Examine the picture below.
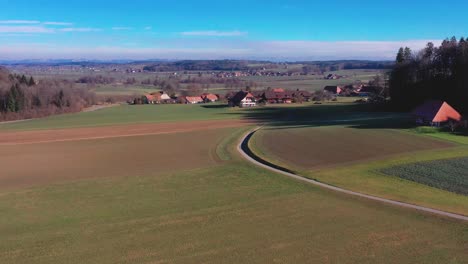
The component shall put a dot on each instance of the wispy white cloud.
(214, 33)
(122, 28)
(19, 22)
(17, 35)
(73, 29)
(51, 23)
(25, 29)
(148, 28)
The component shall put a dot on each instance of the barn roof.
(437, 111)
(193, 98)
(209, 96)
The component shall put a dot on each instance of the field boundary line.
(173, 131)
(245, 152)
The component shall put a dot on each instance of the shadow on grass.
(215, 106)
(360, 116)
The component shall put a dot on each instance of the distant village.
(249, 98)
(433, 113)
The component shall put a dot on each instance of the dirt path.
(58, 135)
(242, 148)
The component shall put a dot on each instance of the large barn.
(436, 113)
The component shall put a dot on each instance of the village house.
(332, 77)
(366, 91)
(156, 98)
(278, 96)
(333, 89)
(209, 98)
(243, 99)
(191, 99)
(281, 96)
(436, 113)
(305, 95)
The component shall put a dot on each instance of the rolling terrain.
(128, 186)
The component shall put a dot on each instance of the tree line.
(22, 97)
(200, 65)
(438, 73)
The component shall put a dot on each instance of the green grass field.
(138, 114)
(313, 82)
(129, 114)
(216, 210)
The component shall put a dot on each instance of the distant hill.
(155, 65)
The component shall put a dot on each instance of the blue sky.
(280, 30)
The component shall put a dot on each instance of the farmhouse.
(209, 98)
(156, 98)
(370, 90)
(306, 95)
(281, 96)
(332, 77)
(243, 99)
(277, 96)
(191, 100)
(436, 113)
(333, 89)
(149, 99)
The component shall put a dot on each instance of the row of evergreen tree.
(439, 73)
(14, 99)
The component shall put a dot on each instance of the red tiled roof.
(193, 98)
(150, 97)
(437, 111)
(209, 96)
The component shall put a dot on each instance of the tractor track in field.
(245, 152)
(91, 133)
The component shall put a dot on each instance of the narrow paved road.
(248, 155)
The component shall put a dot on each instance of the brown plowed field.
(57, 135)
(319, 147)
(37, 158)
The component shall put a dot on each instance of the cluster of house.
(163, 98)
(231, 74)
(353, 90)
(269, 96)
(333, 77)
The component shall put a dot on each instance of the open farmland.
(187, 197)
(75, 157)
(450, 174)
(129, 114)
(314, 82)
(352, 154)
(329, 146)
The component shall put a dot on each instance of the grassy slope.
(128, 114)
(230, 213)
(367, 178)
(132, 114)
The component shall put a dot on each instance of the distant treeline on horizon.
(212, 65)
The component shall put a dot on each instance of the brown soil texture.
(314, 148)
(56, 135)
(29, 159)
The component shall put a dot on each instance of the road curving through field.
(245, 152)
